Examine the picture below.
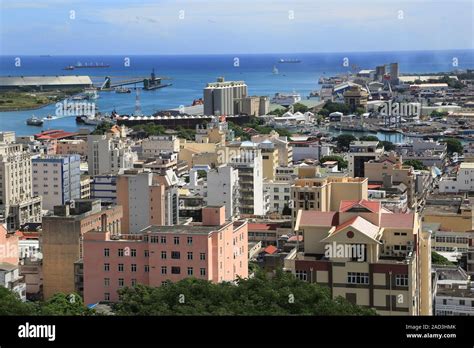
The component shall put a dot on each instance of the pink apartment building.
(215, 250)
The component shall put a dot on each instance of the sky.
(115, 27)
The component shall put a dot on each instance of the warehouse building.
(44, 82)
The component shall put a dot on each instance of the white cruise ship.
(286, 99)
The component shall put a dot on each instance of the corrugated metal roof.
(44, 80)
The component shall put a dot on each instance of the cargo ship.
(282, 60)
(34, 121)
(79, 65)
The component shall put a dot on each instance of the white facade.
(250, 166)
(138, 199)
(223, 189)
(279, 194)
(311, 150)
(17, 203)
(219, 96)
(463, 182)
(10, 278)
(57, 179)
(107, 155)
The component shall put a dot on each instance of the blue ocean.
(189, 74)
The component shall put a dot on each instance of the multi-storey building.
(220, 97)
(462, 182)
(108, 154)
(390, 167)
(71, 147)
(285, 150)
(18, 205)
(368, 255)
(171, 195)
(429, 152)
(57, 179)
(62, 237)
(223, 189)
(361, 152)
(269, 159)
(154, 145)
(248, 162)
(214, 250)
(279, 194)
(142, 200)
(325, 194)
(104, 187)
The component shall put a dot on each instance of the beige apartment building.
(71, 147)
(325, 194)
(269, 159)
(285, 150)
(361, 152)
(366, 254)
(62, 240)
(389, 169)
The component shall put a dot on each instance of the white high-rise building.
(108, 155)
(250, 166)
(18, 205)
(223, 189)
(219, 97)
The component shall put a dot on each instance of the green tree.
(437, 259)
(102, 128)
(11, 304)
(344, 140)
(62, 304)
(454, 145)
(260, 295)
(369, 138)
(416, 164)
(300, 107)
(341, 163)
(388, 145)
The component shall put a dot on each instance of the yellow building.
(269, 159)
(366, 254)
(356, 97)
(389, 169)
(325, 194)
(453, 213)
(198, 153)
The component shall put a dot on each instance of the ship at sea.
(79, 65)
(282, 60)
(34, 121)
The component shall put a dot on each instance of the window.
(401, 280)
(106, 252)
(120, 252)
(202, 256)
(190, 240)
(190, 271)
(163, 239)
(275, 189)
(357, 278)
(164, 270)
(106, 296)
(120, 282)
(190, 255)
(120, 267)
(175, 270)
(176, 240)
(106, 282)
(147, 268)
(147, 253)
(462, 302)
(163, 255)
(133, 267)
(133, 253)
(175, 255)
(134, 282)
(301, 275)
(445, 302)
(202, 271)
(106, 267)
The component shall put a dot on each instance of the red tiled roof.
(318, 218)
(271, 249)
(262, 227)
(397, 220)
(373, 206)
(54, 134)
(373, 186)
(345, 224)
